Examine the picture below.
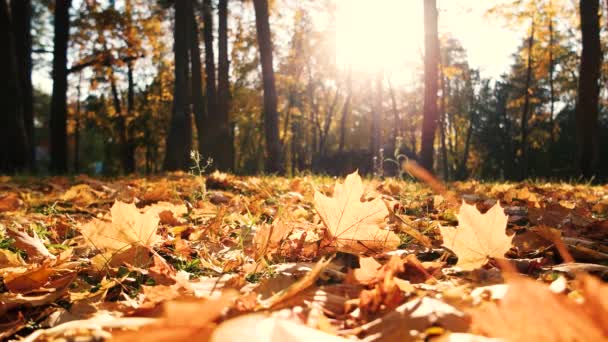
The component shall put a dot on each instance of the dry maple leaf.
(32, 245)
(530, 311)
(355, 225)
(128, 227)
(478, 236)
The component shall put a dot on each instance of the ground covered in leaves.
(227, 258)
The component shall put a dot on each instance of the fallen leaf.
(32, 245)
(353, 225)
(82, 195)
(128, 227)
(260, 328)
(530, 311)
(10, 202)
(478, 237)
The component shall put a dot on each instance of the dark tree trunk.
(129, 148)
(58, 118)
(179, 140)
(21, 11)
(226, 148)
(13, 136)
(271, 117)
(376, 101)
(588, 89)
(77, 128)
(551, 85)
(442, 127)
(395, 134)
(523, 167)
(210, 141)
(431, 62)
(345, 112)
(198, 100)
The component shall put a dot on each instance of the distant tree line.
(138, 85)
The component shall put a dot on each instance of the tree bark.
(442, 128)
(523, 168)
(21, 18)
(588, 89)
(431, 62)
(376, 143)
(271, 118)
(226, 147)
(58, 118)
(129, 148)
(179, 140)
(211, 142)
(198, 99)
(13, 135)
(345, 112)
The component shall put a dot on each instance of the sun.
(379, 36)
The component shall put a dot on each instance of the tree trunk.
(271, 117)
(226, 148)
(442, 123)
(588, 89)
(129, 162)
(431, 62)
(376, 142)
(395, 133)
(523, 168)
(77, 127)
(211, 142)
(13, 135)
(179, 140)
(198, 99)
(21, 11)
(345, 112)
(58, 118)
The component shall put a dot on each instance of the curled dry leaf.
(128, 227)
(530, 311)
(187, 319)
(353, 225)
(32, 245)
(82, 195)
(10, 202)
(478, 236)
(259, 328)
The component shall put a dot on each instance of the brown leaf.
(82, 195)
(128, 227)
(354, 225)
(10, 202)
(478, 236)
(531, 312)
(32, 245)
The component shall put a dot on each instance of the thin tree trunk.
(198, 99)
(271, 116)
(396, 120)
(588, 89)
(179, 140)
(523, 168)
(58, 118)
(376, 101)
(462, 169)
(213, 120)
(77, 128)
(442, 127)
(345, 112)
(21, 11)
(226, 148)
(431, 62)
(129, 162)
(551, 85)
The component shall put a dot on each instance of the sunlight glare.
(379, 35)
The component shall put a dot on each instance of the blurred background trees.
(135, 86)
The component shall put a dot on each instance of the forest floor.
(227, 258)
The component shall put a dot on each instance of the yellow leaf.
(478, 236)
(355, 225)
(128, 227)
